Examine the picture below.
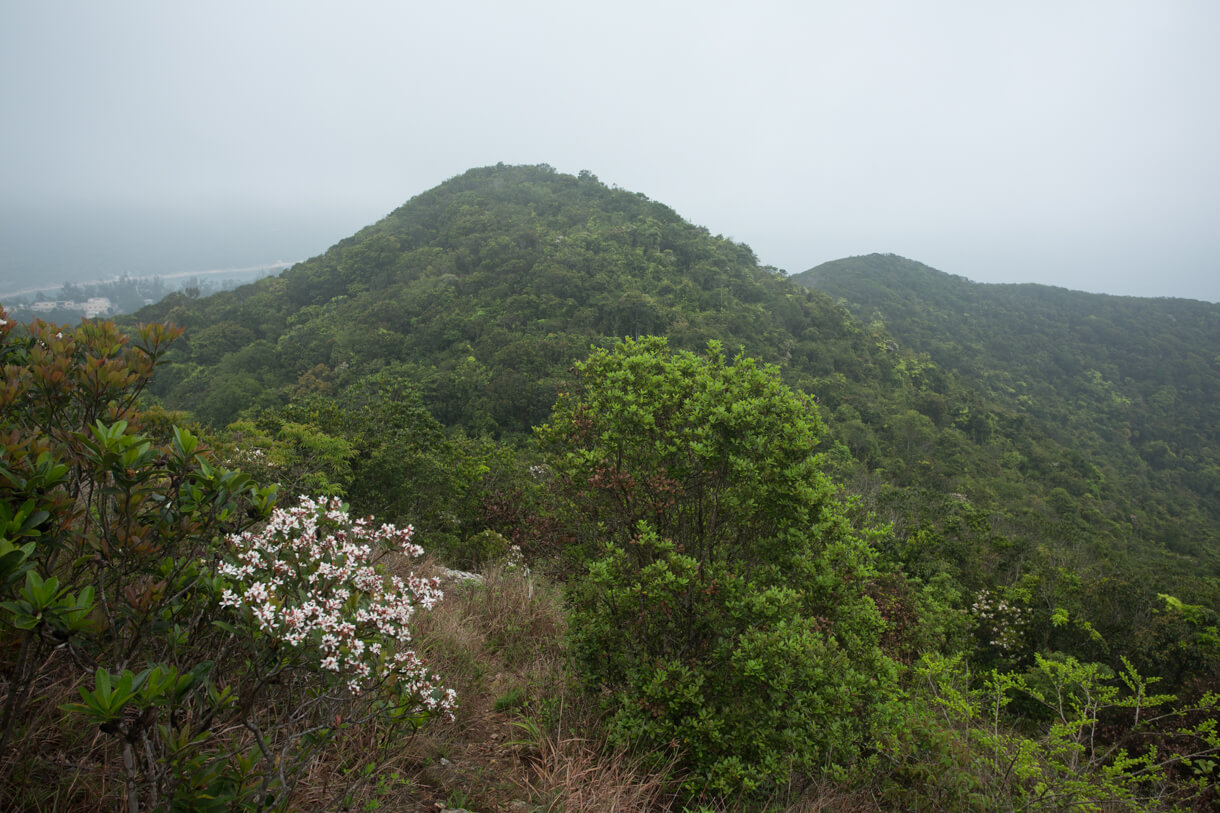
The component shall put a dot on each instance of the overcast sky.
(1060, 142)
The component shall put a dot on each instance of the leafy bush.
(210, 663)
(724, 609)
(1106, 741)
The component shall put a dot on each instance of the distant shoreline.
(250, 269)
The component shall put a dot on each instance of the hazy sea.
(41, 251)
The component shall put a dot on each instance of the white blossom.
(316, 591)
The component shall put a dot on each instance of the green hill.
(489, 287)
(478, 296)
(1132, 386)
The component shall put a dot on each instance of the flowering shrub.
(307, 579)
(203, 668)
(1000, 623)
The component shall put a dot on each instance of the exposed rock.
(459, 575)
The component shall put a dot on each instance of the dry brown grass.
(54, 766)
(498, 640)
(577, 775)
(524, 738)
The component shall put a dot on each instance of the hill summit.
(491, 285)
(991, 418)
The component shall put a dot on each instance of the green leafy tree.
(298, 458)
(377, 446)
(725, 605)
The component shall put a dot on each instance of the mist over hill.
(42, 250)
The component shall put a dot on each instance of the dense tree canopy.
(1129, 387)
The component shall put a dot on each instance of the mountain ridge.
(484, 291)
(1149, 366)
(874, 261)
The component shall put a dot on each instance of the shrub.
(724, 608)
(134, 598)
(1107, 742)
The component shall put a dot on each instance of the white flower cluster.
(306, 579)
(1002, 624)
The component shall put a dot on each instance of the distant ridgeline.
(1130, 385)
(1057, 447)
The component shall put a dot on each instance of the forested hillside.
(480, 294)
(486, 289)
(895, 535)
(1131, 386)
